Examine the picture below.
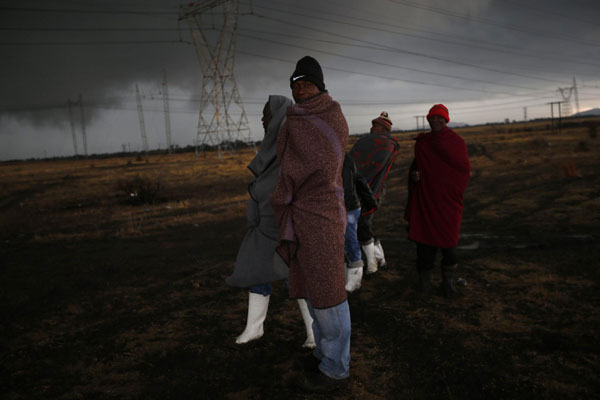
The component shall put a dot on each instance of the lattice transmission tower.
(165, 94)
(222, 119)
(140, 109)
(567, 96)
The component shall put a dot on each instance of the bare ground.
(101, 299)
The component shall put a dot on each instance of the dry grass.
(81, 199)
(103, 299)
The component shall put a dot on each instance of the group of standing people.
(311, 212)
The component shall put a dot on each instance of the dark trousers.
(426, 256)
(365, 228)
(365, 222)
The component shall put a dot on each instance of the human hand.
(414, 174)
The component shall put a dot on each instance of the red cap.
(441, 110)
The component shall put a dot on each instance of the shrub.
(593, 131)
(140, 190)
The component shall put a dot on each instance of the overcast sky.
(485, 59)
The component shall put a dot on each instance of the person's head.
(381, 124)
(266, 116)
(274, 110)
(307, 79)
(438, 117)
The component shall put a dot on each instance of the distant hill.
(457, 125)
(588, 113)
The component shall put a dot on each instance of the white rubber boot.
(369, 250)
(379, 256)
(354, 273)
(257, 312)
(309, 343)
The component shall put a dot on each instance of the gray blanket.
(257, 262)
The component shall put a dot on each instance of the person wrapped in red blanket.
(308, 202)
(437, 181)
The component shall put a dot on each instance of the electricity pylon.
(140, 109)
(165, 93)
(566, 94)
(222, 118)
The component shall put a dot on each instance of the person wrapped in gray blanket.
(257, 263)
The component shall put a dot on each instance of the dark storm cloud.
(46, 75)
(402, 50)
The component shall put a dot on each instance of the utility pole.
(552, 103)
(165, 90)
(141, 117)
(70, 104)
(559, 117)
(524, 113)
(576, 95)
(422, 118)
(85, 152)
(558, 103)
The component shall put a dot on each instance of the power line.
(390, 77)
(479, 109)
(487, 21)
(471, 45)
(39, 107)
(496, 105)
(172, 29)
(418, 54)
(375, 75)
(91, 29)
(539, 10)
(372, 45)
(397, 67)
(154, 110)
(346, 103)
(54, 106)
(82, 11)
(395, 49)
(499, 48)
(93, 42)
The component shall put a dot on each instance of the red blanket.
(374, 155)
(309, 200)
(435, 203)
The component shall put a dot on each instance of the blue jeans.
(265, 289)
(331, 327)
(351, 244)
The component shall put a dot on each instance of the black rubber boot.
(448, 289)
(318, 382)
(307, 362)
(425, 286)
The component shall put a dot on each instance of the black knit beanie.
(308, 69)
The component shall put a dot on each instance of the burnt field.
(112, 281)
